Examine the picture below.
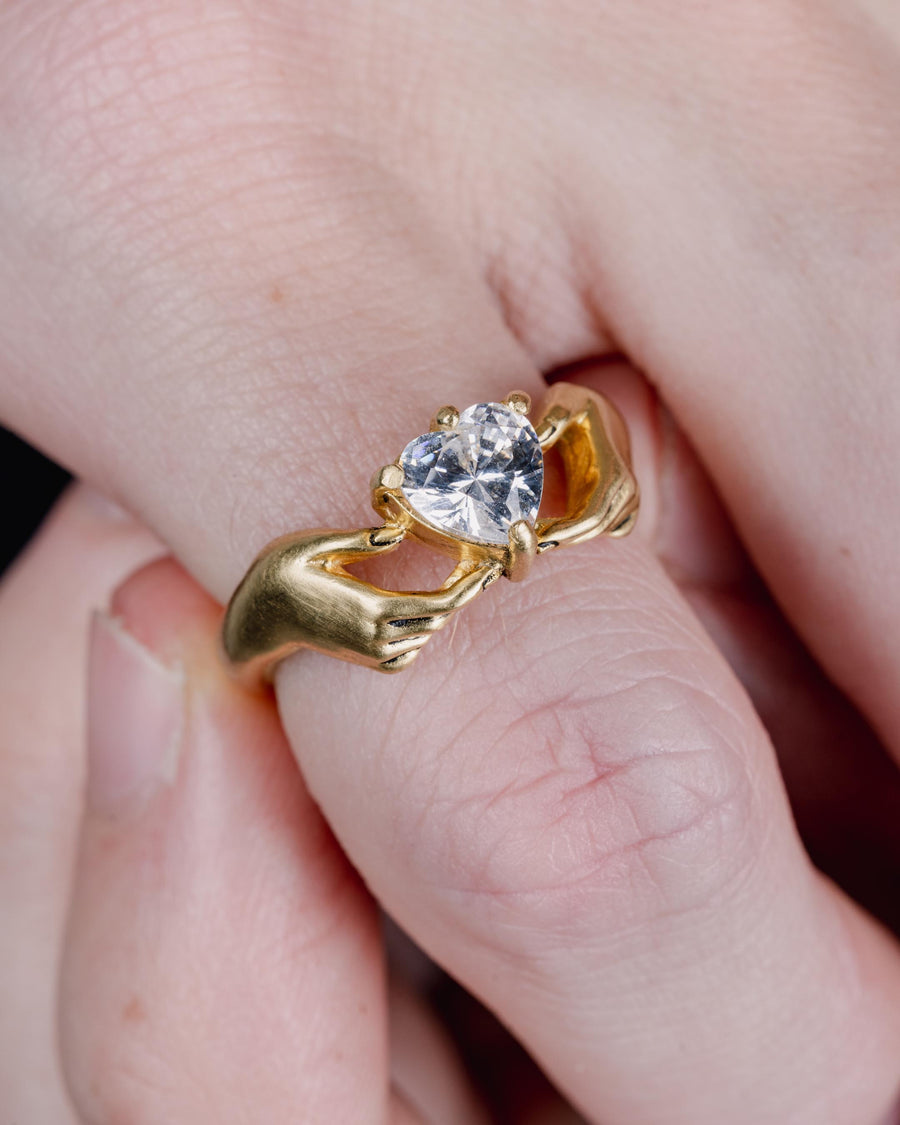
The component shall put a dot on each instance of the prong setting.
(447, 418)
(388, 479)
(518, 401)
(523, 549)
(387, 495)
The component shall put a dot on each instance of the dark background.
(30, 483)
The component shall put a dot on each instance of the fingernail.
(135, 721)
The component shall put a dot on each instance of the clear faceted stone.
(478, 479)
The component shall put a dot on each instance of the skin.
(244, 246)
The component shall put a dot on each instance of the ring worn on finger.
(471, 489)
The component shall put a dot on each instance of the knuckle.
(603, 813)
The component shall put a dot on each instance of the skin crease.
(240, 247)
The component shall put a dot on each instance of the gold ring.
(470, 488)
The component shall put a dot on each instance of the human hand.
(252, 213)
(300, 595)
(280, 955)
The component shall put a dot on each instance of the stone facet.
(479, 478)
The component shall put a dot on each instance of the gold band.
(298, 593)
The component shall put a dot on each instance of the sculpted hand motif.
(592, 439)
(301, 596)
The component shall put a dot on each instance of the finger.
(759, 289)
(397, 654)
(277, 388)
(223, 524)
(434, 1018)
(457, 593)
(425, 1067)
(590, 832)
(85, 547)
(415, 626)
(352, 546)
(515, 1089)
(223, 960)
(246, 387)
(844, 789)
(405, 636)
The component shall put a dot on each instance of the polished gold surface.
(299, 594)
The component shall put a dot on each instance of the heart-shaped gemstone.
(478, 479)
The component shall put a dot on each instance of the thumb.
(223, 961)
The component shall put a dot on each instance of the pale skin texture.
(246, 251)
